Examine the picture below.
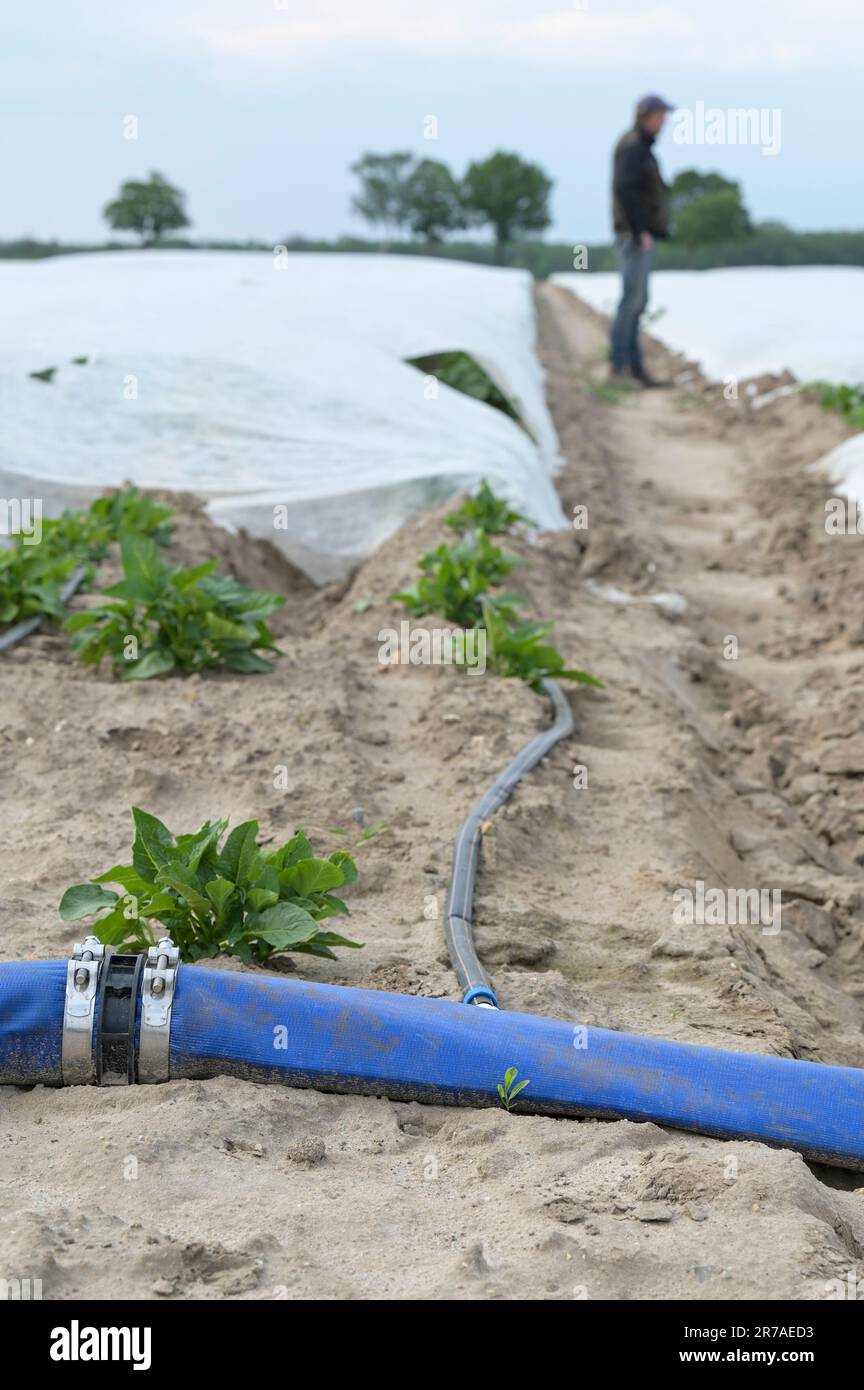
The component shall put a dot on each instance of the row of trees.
(397, 193)
(400, 193)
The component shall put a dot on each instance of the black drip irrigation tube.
(470, 973)
(16, 634)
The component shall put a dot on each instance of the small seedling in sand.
(508, 1091)
(233, 899)
(519, 649)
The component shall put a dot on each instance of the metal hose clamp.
(157, 1000)
(82, 978)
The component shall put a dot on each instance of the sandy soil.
(742, 772)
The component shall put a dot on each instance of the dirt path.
(742, 772)
(705, 749)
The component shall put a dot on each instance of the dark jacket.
(640, 198)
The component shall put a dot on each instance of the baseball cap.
(646, 106)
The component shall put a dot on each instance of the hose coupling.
(159, 983)
(82, 980)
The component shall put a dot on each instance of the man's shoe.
(640, 375)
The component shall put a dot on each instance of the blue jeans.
(636, 266)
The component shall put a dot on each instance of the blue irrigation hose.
(334, 1038)
(474, 980)
(31, 1022)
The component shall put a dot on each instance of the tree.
(718, 216)
(433, 201)
(691, 186)
(509, 193)
(148, 207)
(383, 183)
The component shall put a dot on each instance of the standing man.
(640, 213)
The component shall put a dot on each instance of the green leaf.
(195, 846)
(86, 618)
(85, 899)
(143, 566)
(188, 578)
(582, 677)
(346, 864)
(311, 876)
(297, 848)
(239, 852)
(516, 1089)
(510, 1076)
(333, 906)
(156, 904)
(247, 663)
(314, 948)
(115, 929)
(267, 876)
(332, 938)
(261, 898)
(284, 925)
(152, 845)
(183, 881)
(154, 662)
(200, 950)
(219, 890)
(225, 628)
(127, 877)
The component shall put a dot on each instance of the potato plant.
(161, 619)
(461, 583)
(213, 898)
(454, 579)
(33, 575)
(486, 512)
(519, 649)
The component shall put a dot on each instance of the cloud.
(243, 36)
(569, 34)
(774, 35)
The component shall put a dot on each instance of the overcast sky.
(257, 107)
